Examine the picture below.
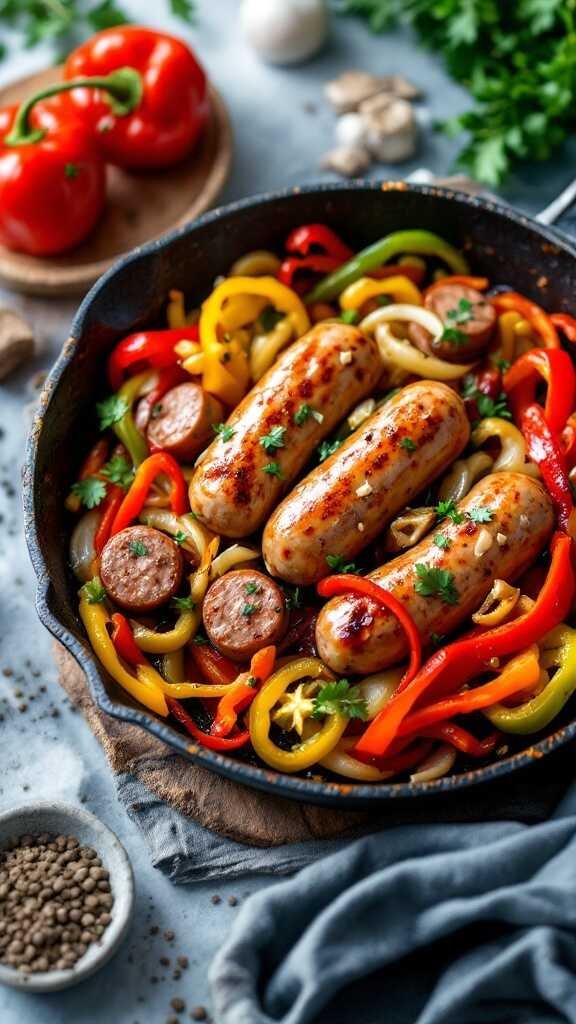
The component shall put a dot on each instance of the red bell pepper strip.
(522, 672)
(565, 323)
(409, 758)
(213, 666)
(243, 691)
(556, 368)
(351, 584)
(318, 236)
(479, 283)
(314, 264)
(534, 314)
(174, 104)
(160, 462)
(220, 743)
(568, 443)
(123, 640)
(460, 738)
(150, 349)
(460, 661)
(544, 450)
(110, 505)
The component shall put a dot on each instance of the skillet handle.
(561, 212)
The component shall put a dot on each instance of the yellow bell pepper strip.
(258, 263)
(424, 243)
(95, 618)
(310, 751)
(125, 429)
(559, 648)
(243, 691)
(226, 371)
(399, 287)
(240, 310)
(265, 347)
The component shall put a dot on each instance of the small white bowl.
(35, 818)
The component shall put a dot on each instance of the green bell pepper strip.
(559, 648)
(425, 243)
(125, 429)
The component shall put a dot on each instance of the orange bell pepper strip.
(160, 462)
(534, 314)
(521, 673)
(565, 323)
(241, 695)
(460, 738)
(460, 661)
(556, 368)
(351, 584)
(213, 666)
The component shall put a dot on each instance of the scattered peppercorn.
(199, 1013)
(178, 1004)
(216, 899)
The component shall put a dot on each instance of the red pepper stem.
(124, 88)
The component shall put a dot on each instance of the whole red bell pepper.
(134, 500)
(52, 181)
(150, 349)
(460, 661)
(555, 366)
(174, 106)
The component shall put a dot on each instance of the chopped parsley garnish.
(273, 440)
(350, 316)
(408, 444)
(442, 541)
(249, 609)
(304, 411)
(339, 564)
(156, 410)
(184, 604)
(119, 471)
(223, 430)
(181, 537)
(503, 365)
(91, 491)
(71, 170)
(454, 336)
(111, 410)
(462, 314)
(200, 640)
(481, 515)
(273, 469)
(433, 582)
(293, 599)
(252, 588)
(488, 407)
(437, 639)
(448, 509)
(252, 681)
(340, 698)
(327, 448)
(94, 591)
(269, 317)
(137, 548)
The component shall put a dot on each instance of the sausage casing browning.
(343, 504)
(329, 370)
(353, 635)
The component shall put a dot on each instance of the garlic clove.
(284, 31)
(391, 131)
(351, 130)
(348, 161)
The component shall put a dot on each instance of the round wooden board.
(140, 206)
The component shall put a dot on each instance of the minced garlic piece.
(364, 490)
(360, 527)
(483, 542)
(346, 357)
(524, 521)
(501, 539)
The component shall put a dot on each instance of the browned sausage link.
(141, 568)
(326, 372)
(343, 504)
(354, 636)
(182, 421)
(244, 611)
(468, 321)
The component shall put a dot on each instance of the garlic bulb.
(284, 31)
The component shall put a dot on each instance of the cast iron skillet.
(504, 245)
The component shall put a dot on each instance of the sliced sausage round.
(181, 423)
(468, 320)
(343, 504)
(506, 520)
(273, 432)
(141, 568)
(243, 611)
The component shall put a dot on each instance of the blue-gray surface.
(278, 142)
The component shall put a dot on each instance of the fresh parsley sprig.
(91, 491)
(433, 582)
(340, 698)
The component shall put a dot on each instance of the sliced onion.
(82, 550)
(398, 352)
(341, 762)
(404, 312)
(361, 413)
(198, 536)
(231, 557)
(377, 689)
(437, 764)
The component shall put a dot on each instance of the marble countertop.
(281, 127)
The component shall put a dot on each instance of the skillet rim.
(327, 793)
